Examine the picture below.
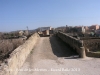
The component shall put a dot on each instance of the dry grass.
(8, 45)
(92, 44)
(9, 42)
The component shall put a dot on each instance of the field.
(9, 42)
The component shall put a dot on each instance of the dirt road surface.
(52, 57)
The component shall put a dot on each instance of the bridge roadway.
(52, 57)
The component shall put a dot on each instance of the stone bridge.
(50, 56)
(75, 43)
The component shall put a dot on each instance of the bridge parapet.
(12, 65)
(74, 43)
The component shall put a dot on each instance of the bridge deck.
(51, 54)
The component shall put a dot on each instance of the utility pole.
(27, 30)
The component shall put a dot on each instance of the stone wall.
(93, 54)
(18, 57)
(73, 42)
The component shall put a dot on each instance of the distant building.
(44, 31)
(94, 27)
(81, 29)
(99, 26)
(21, 33)
(86, 27)
(44, 28)
(62, 28)
(97, 32)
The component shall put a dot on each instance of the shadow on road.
(61, 49)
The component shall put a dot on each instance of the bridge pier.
(82, 52)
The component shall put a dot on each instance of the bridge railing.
(73, 42)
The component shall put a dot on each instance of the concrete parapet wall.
(73, 42)
(92, 54)
(18, 57)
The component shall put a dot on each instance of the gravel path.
(52, 57)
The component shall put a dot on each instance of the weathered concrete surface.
(42, 57)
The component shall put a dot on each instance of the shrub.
(7, 46)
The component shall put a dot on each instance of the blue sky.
(17, 14)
